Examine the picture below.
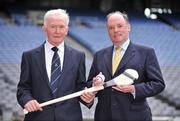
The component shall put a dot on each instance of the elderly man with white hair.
(52, 70)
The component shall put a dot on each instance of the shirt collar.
(60, 47)
(124, 46)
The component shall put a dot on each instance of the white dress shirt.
(124, 47)
(49, 55)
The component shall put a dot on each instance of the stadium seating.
(2, 21)
(89, 29)
(14, 40)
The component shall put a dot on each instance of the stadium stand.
(171, 19)
(89, 29)
(2, 22)
(14, 40)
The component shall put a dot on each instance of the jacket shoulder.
(104, 50)
(73, 50)
(140, 46)
(38, 48)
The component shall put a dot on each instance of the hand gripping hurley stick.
(126, 78)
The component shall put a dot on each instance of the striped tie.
(55, 71)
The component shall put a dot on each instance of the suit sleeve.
(93, 71)
(89, 81)
(81, 80)
(82, 72)
(24, 85)
(153, 83)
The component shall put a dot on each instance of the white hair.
(56, 11)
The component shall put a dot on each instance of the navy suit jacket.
(118, 106)
(34, 84)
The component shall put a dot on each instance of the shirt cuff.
(134, 94)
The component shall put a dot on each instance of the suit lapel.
(67, 57)
(108, 59)
(128, 55)
(66, 64)
(40, 59)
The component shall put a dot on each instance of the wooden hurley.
(126, 78)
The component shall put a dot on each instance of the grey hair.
(56, 11)
(123, 14)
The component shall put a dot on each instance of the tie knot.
(118, 48)
(55, 49)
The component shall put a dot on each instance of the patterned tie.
(116, 59)
(55, 71)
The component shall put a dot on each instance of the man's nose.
(57, 30)
(115, 29)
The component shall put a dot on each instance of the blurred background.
(155, 23)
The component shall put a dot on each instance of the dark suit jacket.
(34, 84)
(118, 106)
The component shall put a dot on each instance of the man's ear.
(129, 27)
(67, 30)
(44, 28)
